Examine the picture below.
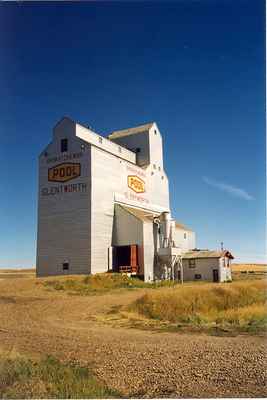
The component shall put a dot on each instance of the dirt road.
(35, 321)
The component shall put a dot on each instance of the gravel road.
(138, 363)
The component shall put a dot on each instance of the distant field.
(17, 270)
(249, 267)
(17, 273)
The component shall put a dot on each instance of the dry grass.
(235, 305)
(48, 378)
(100, 283)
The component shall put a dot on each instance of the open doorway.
(125, 259)
(215, 275)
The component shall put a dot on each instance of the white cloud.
(225, 187)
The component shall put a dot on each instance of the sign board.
(64, 172)
(136, 184)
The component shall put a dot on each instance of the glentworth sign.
(64, 172)
(136, 184)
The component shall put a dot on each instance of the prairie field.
(261, 268)
(113, 336)
(234, 306)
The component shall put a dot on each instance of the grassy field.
(234, 306)
(249, 271)
(21, 377)
(100, 284)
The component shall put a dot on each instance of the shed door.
(215, 275)
(134, 256)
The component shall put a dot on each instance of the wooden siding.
(205, 267)
(104, 144)
(64, 216)
(123, 236)
(185, 243)
(149, 251)
(139, 140)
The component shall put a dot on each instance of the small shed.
(207, 265)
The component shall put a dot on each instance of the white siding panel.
(64, 215)
(149, 251)
(104, 144)
(204, 267)
(184, 239)
(128, 229)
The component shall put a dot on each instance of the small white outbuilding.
(207, 265)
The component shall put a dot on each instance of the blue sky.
(197, 68)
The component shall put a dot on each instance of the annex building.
(103, 206)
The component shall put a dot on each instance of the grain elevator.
(103, 205)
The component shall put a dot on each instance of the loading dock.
(125, 259)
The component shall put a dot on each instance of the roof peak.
(130, 131)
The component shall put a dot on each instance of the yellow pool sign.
(64, 172)
(136, 184)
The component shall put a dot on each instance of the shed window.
(192, 263)
(198, 276)
(64, 145)
(65, 265)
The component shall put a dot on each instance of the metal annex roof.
(143, 215)
(130, 131)
(207, 254)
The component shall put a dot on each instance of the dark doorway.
(215, 275)
(126, 259)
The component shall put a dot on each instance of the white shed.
(214, 266)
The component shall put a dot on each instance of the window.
(159, 168)
(82, 147)
(64, 145)
(154, 166)
(100, 139)
(192, 263)
(45, 154)
(119, 149)
(138, 150)
(162, 177)
(65, 265)
(155, 132)
(152, 173)
(185, 235)
(198, 276)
